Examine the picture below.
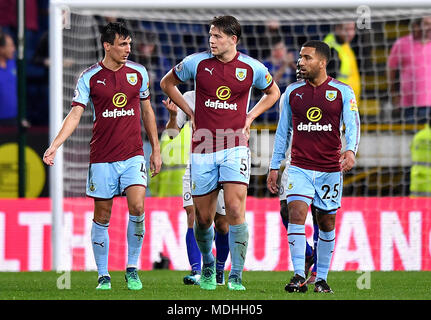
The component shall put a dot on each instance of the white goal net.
(163, 37)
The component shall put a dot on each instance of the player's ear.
(106, 46)
(234, 39)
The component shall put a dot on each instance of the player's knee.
(283, 210)
(190, 211)
(234, 209)
(221, 224)
(203, 222)
(296, 215)
(325, 220)
(136, 209)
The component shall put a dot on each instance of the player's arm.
(171, 125)
(269, 98)
(282, 141)
(169, 85)
(353, 130)
(150, 126)
(67, 128)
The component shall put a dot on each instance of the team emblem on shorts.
(331, 95)
(193, 185)
(187, 196)
(132, 78)
(92, 187)
(241, 74)
(290, 186)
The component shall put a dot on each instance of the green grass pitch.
(168, 285)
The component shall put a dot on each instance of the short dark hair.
(321, 48)
(228, 25)
(111, 29)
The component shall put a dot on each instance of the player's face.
(220, 42)
(120, 50)
(310, 63)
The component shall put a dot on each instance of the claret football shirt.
(114, 97)
(313, 117)
(222, 97)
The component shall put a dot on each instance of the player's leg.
(221, 238)
(300, 192)
(205, 208)
(284, 213)
(312, 278)
(100, 240)
(193, 253)
(327, 201)
(102, 186)
(135, 234)
(309, 252)
(133, 180)
(235, 200)
(235, 177)
(325, 248)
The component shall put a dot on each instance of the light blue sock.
(238, 243)
(297, 240)
(135, 237)
(204, 239)
(325, 248)
(100, 243)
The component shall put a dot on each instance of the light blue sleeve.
(186, 69)
(82, 90)
(284, 131)
(144, 91)
(351, 119)
(262, 79)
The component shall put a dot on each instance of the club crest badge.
(331, 95)
(241, 74)
(132, 78)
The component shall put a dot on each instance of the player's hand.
(49, 155)
(172, 107)
(246, 129)
(155, 163)
(271, 181)
(192, 121)
(347, 160)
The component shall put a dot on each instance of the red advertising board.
(388, 233)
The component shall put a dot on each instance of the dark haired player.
(221, 121)
(117, 92)
(315, 110)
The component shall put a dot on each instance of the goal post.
(73, 28)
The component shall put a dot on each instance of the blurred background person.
(409, 73)
(420, 174)
(8, 81)
(343, 65)
(282, 65)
